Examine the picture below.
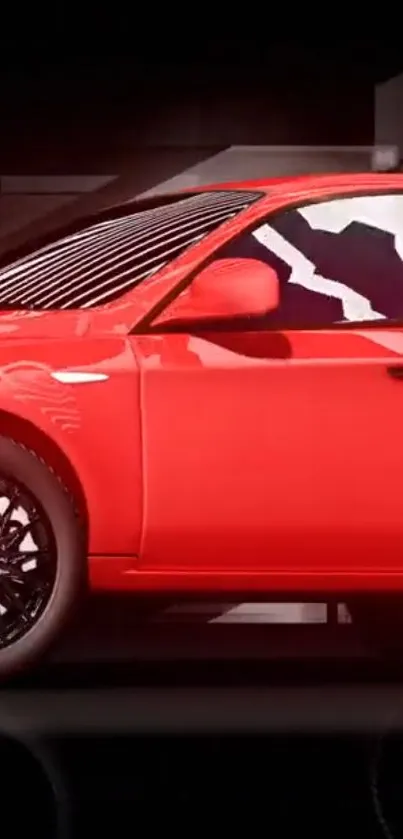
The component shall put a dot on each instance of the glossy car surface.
(260, 454)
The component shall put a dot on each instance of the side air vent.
(103, 261)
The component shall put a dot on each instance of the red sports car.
(203, 392)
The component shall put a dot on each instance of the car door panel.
(271, 451)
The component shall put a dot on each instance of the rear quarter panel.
(92, 427)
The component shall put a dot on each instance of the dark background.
(71, 104)
(85, 110)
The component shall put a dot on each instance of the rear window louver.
(98, 264)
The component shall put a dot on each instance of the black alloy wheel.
(28, 561)
(43, 565)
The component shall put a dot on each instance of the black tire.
(28, 472)
(379, 622)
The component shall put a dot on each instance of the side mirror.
(227, 288)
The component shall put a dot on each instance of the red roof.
(352, 178)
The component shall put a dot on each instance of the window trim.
(146, 327)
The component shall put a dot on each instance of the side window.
(338, 261)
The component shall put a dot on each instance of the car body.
(241, 455)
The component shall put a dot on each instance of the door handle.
(396, 372)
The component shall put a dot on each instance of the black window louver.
(98, 264)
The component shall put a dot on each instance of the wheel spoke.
(10, 595)
(6, 518)
(17, 535)
(27, 556)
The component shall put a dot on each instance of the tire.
(379, 621)
(50, 590)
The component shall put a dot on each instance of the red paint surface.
(259, 461)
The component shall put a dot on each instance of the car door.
(275, 445)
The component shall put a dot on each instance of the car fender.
(76, 404)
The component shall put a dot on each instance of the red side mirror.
(227, 288)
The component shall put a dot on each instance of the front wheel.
(42, 557)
